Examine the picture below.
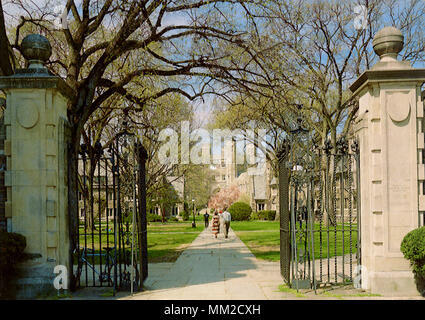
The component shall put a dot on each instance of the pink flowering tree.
(224, 198)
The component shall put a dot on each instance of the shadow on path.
(206, 260)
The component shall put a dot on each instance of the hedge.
(268, 215)
(185, 215)
(413, 249)
(151, 217)
(240, 211)
(12, 246)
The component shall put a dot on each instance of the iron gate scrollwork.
(319, 206)
(111, 245)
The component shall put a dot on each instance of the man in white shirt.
(227, 217)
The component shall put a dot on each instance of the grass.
(285, 288)
(166, 241)
(341, 296)
(263, 239)
(107, 294)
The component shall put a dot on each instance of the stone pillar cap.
(36, 49)
(388, 41)
(387, 44)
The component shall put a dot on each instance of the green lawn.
(263, 239)
(185, 226)
(256, 225)
(165, 240)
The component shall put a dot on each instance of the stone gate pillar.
(35, 179)
(391, 140)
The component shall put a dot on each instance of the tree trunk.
(73, 149)
(90, 212)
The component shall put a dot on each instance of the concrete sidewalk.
(223, 269)
(212, 269)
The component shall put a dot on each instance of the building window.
(110, 195)
(261, 206)
(223, 177)
(99, 180)
(175, 211)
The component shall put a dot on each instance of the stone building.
(257, 183)
(260, 185)
(102, 189)
(225, 172)
(178, 184)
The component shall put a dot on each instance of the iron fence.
(111, 246)
(324, 216)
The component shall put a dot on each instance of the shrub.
(12, 246)
(413, 249)
(268, 215)
(151, 217)
(254, 216)
(240, 211)
(185, 215)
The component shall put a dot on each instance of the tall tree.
(318, 50)
(101, 34)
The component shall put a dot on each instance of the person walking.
(227, 217)
(220, 218)
(206, 216)
(215, 223)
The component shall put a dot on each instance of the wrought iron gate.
(285, 236)
(111, 246)
(320, 214)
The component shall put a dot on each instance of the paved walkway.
(222, 269)
(213, 269)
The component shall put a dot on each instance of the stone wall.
(391, 141)
(36, 124)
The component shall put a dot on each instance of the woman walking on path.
(215, 222)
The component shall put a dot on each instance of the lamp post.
(193, 223)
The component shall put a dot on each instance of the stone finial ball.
(388, 40)
(36, 47)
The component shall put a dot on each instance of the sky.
(202, 108)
